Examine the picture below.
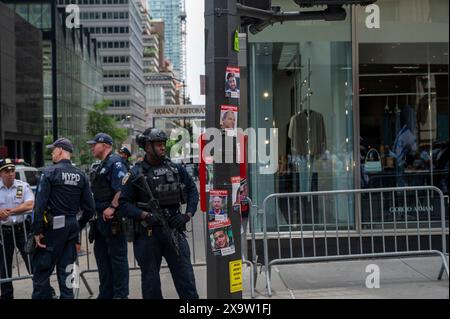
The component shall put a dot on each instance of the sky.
(195, 49)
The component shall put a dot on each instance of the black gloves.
(178, 220)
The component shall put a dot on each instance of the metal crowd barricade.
(319, 226)
(251, 263)
(10, 240)
(21, 264)
(86, 264)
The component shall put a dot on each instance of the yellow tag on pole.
(236, 41)
(235, 276)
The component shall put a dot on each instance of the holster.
(30, 245)
(141, 228)
(92, 230)
(118, 225)
(48, 220)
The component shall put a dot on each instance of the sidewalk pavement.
(405, 278)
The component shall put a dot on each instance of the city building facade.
(21, 89)
(116, 25)
(72, 73)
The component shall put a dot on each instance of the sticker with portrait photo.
(229, 119)
(218, 205)
(221, 238)
(233, 82)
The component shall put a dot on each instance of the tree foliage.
(99, 121)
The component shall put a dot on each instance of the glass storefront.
(403, 102)
(386, 127)
(302, 85)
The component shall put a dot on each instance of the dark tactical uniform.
(126, 163)
(63, 190)
(110, 247)
(169, 183)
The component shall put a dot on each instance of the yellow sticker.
(125, 178)
(235, 275)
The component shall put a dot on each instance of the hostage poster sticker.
(221, 238)
(235, 185)
(232, 82)
(229, 119)
(218, 205)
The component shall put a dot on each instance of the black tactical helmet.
(151, 135)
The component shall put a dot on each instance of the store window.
(403, 98)
(301, 84)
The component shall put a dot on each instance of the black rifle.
(162, 215)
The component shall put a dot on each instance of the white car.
(28, 174)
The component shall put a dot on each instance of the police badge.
(19, 193)
(125, 178)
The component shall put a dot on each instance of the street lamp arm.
(264, 18)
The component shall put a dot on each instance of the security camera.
(311, 3)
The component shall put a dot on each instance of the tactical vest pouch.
(168, 194)
(118, 226)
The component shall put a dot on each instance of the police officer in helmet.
(62, 192)
(110, 246)
(170, 185)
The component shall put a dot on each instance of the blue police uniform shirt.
(114, 169)
(128, 196)
(126, 163)
(64, 189)
(18, 194)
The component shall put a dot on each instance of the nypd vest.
(101, 185)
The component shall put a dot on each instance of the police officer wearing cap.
(125, 154)
(171, 186)
(16, 198)
(62, 192)
(110, 247)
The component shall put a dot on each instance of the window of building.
(302, 86)
(403, 98)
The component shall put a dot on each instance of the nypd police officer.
(62, 192)
(125, 154)
(110, 247)
(16, 198)
(169, 185)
